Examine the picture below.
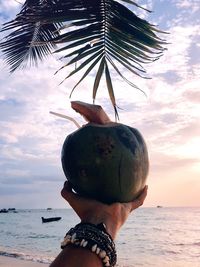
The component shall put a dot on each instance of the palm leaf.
(19, 46)
(88, 71)
(98, 77)
(110, 89)
(83, 64)
(124, 78)
(92, 31)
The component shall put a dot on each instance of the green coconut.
(104, 160)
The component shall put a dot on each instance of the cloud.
(170, 163)
(193, 5)
(192, 96)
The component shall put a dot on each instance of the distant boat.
(159, 206)
(12, 210)
(3, 211)
(52, 219)
(49, 208)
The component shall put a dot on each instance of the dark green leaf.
(83, 41)
(82, 53)
(135, 4)
(87, 72)
(109, 85)
(83, 64)
(124, 78)
(98, 77)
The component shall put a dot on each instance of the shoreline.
(6, 261)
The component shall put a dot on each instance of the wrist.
(110, 226)
(110, 229)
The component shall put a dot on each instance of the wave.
(41, 236)
(188, 244)
(196, 244)
(27, 257)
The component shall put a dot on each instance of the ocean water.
(159, 237)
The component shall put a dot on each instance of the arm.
(73, 256)
(92, 211)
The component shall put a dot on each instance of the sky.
(168, 117)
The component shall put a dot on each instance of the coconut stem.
(66, 117)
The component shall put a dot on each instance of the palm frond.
(98, 77)
(92, 32)
(19, 46)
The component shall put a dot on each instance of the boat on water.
(3, 211)
(10, 210)
(51, 219)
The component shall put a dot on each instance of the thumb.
(139, 200)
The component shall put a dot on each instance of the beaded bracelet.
(95, 238)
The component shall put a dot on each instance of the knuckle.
(62, 192)
(141, 202)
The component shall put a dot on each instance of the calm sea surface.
(159, 237)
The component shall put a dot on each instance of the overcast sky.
(31, 139)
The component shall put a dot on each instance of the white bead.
(97, 251)
(85, 244)
(94, 248)
(65, 242)
(102, 254)
(106, 259)
(82, 241)
(73, 237)
(66, 238)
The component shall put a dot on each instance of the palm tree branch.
(83, 64)
(125, 63)
(110, 89)
(87, 72)
(88, 32)
(84, 51)
(78, 43)
(82, 55)
(135, 4)
(98, 77)
(137, 53)
(128, 54)
(123, 77)
(18, 47)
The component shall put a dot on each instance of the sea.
(159, 237)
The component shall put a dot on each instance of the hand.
(93, 211)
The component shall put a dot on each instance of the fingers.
(80, 204)
(140, 199)
(73, 199)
